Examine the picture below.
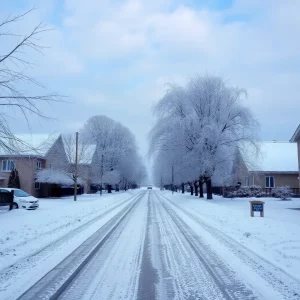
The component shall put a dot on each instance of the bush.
(14, 180)
(282, 192)
(246, 191)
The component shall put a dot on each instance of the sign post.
(257, 206)
(172, 180)
(76, 168)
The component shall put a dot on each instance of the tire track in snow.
(25, 264)
(62, 226)
(219, 277)
(148, 274)
(113, 272)
(282, 282)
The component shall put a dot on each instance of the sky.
(114, 58)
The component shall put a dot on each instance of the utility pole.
(172, 179)
(76, 168)
(102, 161)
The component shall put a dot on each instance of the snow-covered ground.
(276, 237)
(166, 247)
(33, 242)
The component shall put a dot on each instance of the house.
(57, 179)
(51, 178)
(296, 139)
(46, 165)
(276, 165)
(29, 158)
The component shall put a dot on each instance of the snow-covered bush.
(247, 191)
(256, 191)
(282, 192)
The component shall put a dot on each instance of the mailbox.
(257, 206)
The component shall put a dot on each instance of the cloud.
(55, 58)
(93, 98)
(115, 57)
(182, 29)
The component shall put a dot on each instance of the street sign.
(257, 206)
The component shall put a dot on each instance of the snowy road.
(269, 281)
(154, 248)
(192, 269)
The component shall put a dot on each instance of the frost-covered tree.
(199, 126)
(167, 137)
(116, 160)
(221, 123)
(141, 173)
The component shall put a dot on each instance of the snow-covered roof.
(274, 157)
(30, 144)
(296, 135)
(55, 177)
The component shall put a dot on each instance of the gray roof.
(296, 135)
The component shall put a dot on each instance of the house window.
(270, 182)
(38, 165)
(7, 165)
(37, 185)
(246, 181)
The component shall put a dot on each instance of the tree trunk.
(196, 188)
(192, 189)
(201, 188)
(109, 189)
(182, 188)
(209, 188)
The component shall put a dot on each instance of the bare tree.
(14, 67)
(85, 156)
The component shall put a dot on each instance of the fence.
(58, 191)
(218, 190)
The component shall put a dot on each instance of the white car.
(22, 199)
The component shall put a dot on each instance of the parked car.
(22, 199)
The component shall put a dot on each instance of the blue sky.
(114, 57)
